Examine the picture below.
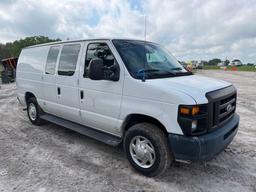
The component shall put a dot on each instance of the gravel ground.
(52, 158)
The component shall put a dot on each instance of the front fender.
(165, 113)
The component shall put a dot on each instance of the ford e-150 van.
(129, 92)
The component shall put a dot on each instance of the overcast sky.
(190, 29)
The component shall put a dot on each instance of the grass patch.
(239, 68)
(210, 67)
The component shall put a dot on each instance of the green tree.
(214, 61)
(227, 62)
(13, 49)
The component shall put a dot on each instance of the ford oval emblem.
(229, 108)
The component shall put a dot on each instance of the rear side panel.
(30, 71)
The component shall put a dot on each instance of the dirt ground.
(52, 158)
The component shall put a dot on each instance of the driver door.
(100, 100)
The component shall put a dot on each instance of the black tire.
(163, 156)
(36, 120)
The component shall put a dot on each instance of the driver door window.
(101, 51)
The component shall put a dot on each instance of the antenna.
(141, 72)
(145, 28)
(145, 58)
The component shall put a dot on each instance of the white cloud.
(194, 29)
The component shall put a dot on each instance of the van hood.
(195, 86)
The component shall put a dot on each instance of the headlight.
(194, 125)
(192, 119)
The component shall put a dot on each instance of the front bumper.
(204, 147)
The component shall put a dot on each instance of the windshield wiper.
(180, 69)
(146, 70)
(141, 73)
(176, 69)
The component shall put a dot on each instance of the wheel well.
(138, 118)
(29, 95)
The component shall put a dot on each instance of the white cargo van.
(128, 92)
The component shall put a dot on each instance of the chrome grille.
(222, 106)
(227, 108)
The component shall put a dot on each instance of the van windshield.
(148, 60)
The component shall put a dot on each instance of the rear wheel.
(147, 150)
(34, 111)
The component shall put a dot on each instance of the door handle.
(82, 94)
(58, 90)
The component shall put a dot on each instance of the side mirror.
(96, 69)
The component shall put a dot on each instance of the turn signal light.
(195, 110)
(189, 110)
(184, 111)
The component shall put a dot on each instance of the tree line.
(13, 49)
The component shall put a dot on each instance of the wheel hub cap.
(32, 111)
(142, 152)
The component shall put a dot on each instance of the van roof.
(78, 40)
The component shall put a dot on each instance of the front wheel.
(147, 150)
